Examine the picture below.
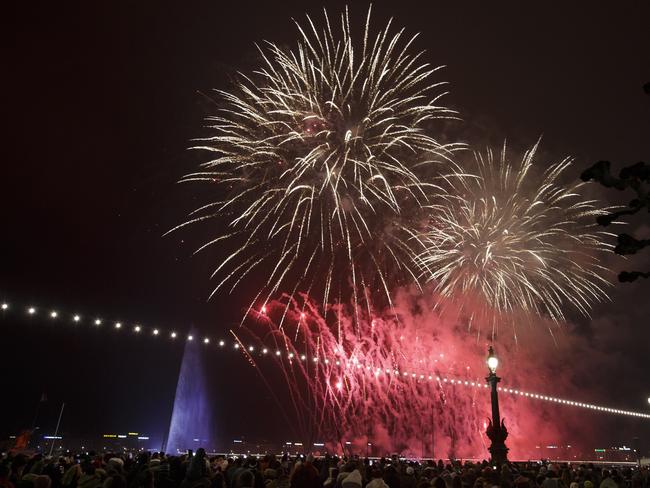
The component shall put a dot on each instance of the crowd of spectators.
(200, 470)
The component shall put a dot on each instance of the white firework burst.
(508, 240)
(323, 160)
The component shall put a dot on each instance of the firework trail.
(349, 386)
(508, 241)
(322, 161)
(397, 385)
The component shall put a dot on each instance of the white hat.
(353, 479)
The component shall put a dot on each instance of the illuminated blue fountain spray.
(190, 427)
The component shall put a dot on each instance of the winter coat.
(89, 481)
(407, 481)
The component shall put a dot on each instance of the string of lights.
(339, 361)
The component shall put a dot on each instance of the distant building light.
(195, 440)
(347, 443)
(237, 441)
(297, 443)
(143, 438)
(133, 433)
(288, 443)
(121, 436)
(52, 437)
(110, 435)
(319, 444)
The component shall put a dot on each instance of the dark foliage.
(635, 178)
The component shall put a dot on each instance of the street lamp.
(496, 429)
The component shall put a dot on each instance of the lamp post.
(496, 429)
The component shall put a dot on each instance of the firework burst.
(381, 386)
(320, 158)
(507, 240)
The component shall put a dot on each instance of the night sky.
(103, 99)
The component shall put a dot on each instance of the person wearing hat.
(376, 480)
(352, 480)
(270, 477)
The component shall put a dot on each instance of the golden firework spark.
(320, 158)
(512, 241)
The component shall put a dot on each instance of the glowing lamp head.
(98, 322)
(190, 338)
(54, 314)
(5, 306)
(137, 328)
(31, 310)
(648, 400)
(492, 361)
(118, 325)
(206, 340)
(263, 309)
(173, 335)
(155, 332)
(76, 318)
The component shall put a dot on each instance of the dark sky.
(101, 100)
